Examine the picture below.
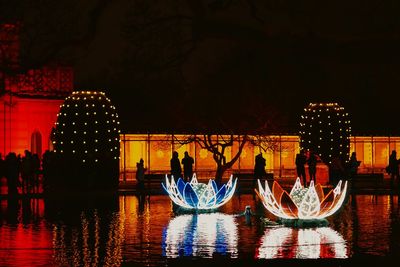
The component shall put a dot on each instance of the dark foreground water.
(127, 230)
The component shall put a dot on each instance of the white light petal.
(206, 200)
(310, 204)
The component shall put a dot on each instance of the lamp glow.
(301, 203)
(199, 196)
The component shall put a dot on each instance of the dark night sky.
(197, 64)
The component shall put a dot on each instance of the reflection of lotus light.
(284, 242)
(195, 195)
(200, 235)
(302, 203)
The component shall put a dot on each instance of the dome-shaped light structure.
(325, 128)
(199, 196)
(86, 138)
(302, 203)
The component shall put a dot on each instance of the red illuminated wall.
(29, 100)
(24, 117)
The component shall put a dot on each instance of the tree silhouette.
(218, 145)
(258, 130)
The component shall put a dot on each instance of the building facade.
(29, 99)
(156, 151)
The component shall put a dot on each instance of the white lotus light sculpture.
(302, 203)
(199, 196)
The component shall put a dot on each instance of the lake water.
(113, 231)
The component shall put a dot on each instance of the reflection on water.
(92, 235)
(312, 243)
(88, 244)
(25, 239)
(201, 235)
(145, 231)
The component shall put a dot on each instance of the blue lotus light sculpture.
(199, 196)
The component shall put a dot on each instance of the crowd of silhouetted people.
(25, 173)
(339, 167)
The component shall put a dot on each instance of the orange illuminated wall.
(160, 151)
(372, 151)
(26, 123)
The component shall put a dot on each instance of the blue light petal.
(190, 196)
(214, 185)
(210, 203)
(181, 186)
(221, 194)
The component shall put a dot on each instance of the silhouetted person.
(176, 169)
(259, 168)
(352, 169)
(36, 170)
(187, 163)
(27, 172)
(140, 170)
(393, 167)
(312, 165)
(12, 173)
(337, 170)
(301, 160)
(353, 166)
(48, 170)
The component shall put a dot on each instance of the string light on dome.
(328, 134)
(79, 128)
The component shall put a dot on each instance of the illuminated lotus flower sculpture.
(199, 196)
(302, 203)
